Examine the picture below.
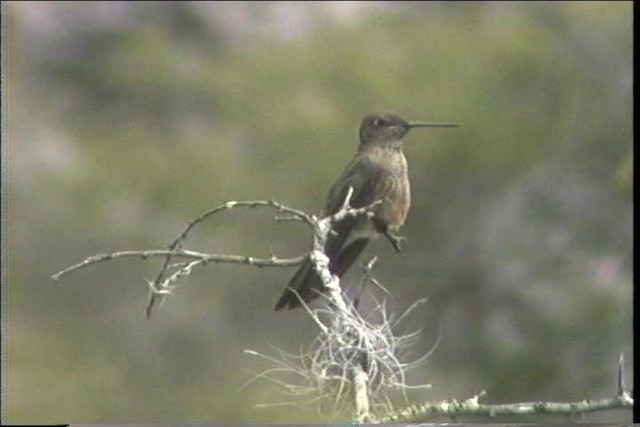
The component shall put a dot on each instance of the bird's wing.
(363, 176)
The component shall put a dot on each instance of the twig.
(205, 258)
(454, 408)
(621, 376)
(177, 243)
(361, 394)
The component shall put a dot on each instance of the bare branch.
(177, 244)
(454, 408)
(361, 394)
(205, 258)
(621, 380)
(161, 287)
(322, 229)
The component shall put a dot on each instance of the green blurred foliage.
(125, 120)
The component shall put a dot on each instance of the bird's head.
(389, 127)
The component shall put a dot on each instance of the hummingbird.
(377, 172)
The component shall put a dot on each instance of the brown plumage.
(378, 171)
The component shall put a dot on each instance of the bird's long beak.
(431, 125)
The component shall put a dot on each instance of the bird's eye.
(377, 122)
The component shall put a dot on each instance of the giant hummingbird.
(377, 173)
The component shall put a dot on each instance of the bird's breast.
(392, 187)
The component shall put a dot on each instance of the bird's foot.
(394, 240)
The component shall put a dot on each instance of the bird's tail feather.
(306, 285)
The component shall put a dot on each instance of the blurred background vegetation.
(125, 120)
